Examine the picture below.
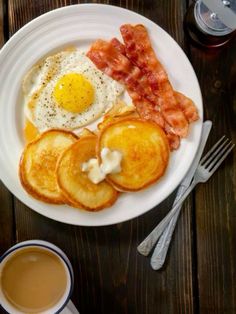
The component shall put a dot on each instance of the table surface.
(110, 276)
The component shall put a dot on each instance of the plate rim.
(49, 14)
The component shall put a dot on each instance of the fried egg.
(67, 91)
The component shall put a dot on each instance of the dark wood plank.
(1, 23)
(7, 232)
(215, 200)
(110, 275)
(6, 199)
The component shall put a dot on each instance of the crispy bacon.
(139, 50)
(146, 109)
(184, 103)
(148, 112)
(136, 66)
(174, 141)
(187, 106)
(118, 45)
(107, 58)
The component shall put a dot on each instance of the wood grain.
(215, 200)
(199, 275)
(110, 275)
(6, 199)
(7, 223)
(1, 23)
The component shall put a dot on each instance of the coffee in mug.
(35, 279)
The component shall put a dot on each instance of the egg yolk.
(73, 92)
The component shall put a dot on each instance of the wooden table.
(111, 277)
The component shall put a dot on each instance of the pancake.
(37, 168)
(145, 150)
(75, 185)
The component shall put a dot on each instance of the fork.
(207, 166)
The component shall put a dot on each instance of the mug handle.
(70, 309)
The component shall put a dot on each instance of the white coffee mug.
(64, 305)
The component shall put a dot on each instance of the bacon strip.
(106, 56)
(174, 141)
(187, 106)
(139, 50)
(108, 59)
(146, 111)
(144, 107)
(118, 45)
(184, 103)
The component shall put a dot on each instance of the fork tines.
(217, 154)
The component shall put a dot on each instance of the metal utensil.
(148, 243)
(216, 155)
(70, 309)
(207, 166)
(162, 246)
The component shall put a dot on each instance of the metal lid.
(216, 17)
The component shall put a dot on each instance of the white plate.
(80, 25)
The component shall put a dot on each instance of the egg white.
(38, 85)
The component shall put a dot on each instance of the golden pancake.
(75, 184)
(144, 148)
(38, 165)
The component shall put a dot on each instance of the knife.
(69, 309)
(161, 249)
(148, 243)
